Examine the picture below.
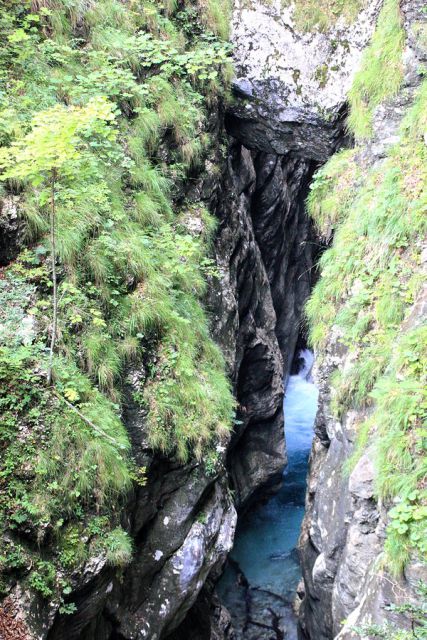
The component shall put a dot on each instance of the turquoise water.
(260, 590)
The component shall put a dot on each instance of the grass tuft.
(381, 72)
(311, 15)
(118, 547)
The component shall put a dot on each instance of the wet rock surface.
(256, 455)
(266, 244)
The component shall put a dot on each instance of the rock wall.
(346, 581)
(266, 245)
(293, 84)
(344, 530)
(182, 521)
(256, 456)
(266, 248)
(11, 229)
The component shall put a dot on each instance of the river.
(259, 583)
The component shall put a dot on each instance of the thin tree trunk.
(54, 277)
(86, 420)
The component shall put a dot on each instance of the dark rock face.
(286, 239)
(290, 130)
(265, 246)
(257, 448)
(264, 252)
(11, 229)
(207, 619)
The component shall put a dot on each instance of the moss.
(381, 72)
(321, 75)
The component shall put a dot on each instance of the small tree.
(57, 139)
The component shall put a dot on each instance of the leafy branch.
(57, 138)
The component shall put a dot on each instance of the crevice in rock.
(272, 189)
(270, 246)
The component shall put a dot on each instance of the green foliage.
(419, 32)
(187, 393)
(381, 72)
(400, 416)
(370, 280)
(72, 547)
(112, 98)
(118, 547)
(217, 16)
(15, 327)
(54, 140)
(311, 15)
(331, 190)
(40, 490)
(415, 613)
(42, 579)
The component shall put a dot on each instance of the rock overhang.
(291, 86)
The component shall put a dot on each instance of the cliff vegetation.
(370, 290)
(103, 126)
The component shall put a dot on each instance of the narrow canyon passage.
(191, 193)
(263, 571)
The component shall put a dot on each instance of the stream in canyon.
(263, 571)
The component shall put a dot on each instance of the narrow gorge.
(212, 302)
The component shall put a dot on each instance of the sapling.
(57, 139)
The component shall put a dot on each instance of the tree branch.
(86, 420)
(54, 277)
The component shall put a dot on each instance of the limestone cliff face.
(293, 83)
(343, 535)
(291, 119)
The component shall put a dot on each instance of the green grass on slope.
(370, 279)
(132, 271)
(312, 15)
(381, 72)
